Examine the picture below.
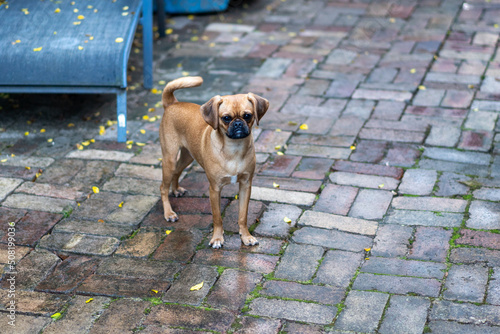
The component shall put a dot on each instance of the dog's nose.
(238, 124)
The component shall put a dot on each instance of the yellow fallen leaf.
(129, 146)
(280, 153)
(120, 205)
(140, 144)
(56, 316)
(194, 38)
(50, 140)
(95, 190)
(86, 143)
(145, 117)
(304, 127)
(190, 17)
(119, 40)
(125, 8)
(58, 10)
(169, 31)
(154, 91)
(167, 232)
(236, 39)
(287, 220)
(392, 20)
(421, 87)
(102, 130)
(92, 140)
(79, 147)
(37, 49)
(3, 160)
(277, 147)
(151, 109)
(155, 291)
(496, 25)
(100, 221)
(80, 47)
(78, 204)
(128, 142)
(353, 147)
(275, 185)
(152, 119)
(197, 287)
(89, 300)
(42, 130)
(80, 17)
(142, 131)
(70, 125)
(277, 130)
(162, 82)
(367, 249)
(12, 155)
(75, 10)
(27, 133)
(124, 13)
(367, 258)
(413, 70)
(381, 186)
(27, 167)
(211, 45)
(185, 73)
(77, 23)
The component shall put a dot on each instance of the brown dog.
(218, 136)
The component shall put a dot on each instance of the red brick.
(232, 288)
(230, 221)
(33, 226)
(282, 165)
(178, 246)
(117, 286)
(247, 261)
(370, 169)
(479, 238)
(369, 151)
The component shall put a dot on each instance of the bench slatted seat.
(79, 46)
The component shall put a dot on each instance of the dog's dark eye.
(227, 119)
(247, 117)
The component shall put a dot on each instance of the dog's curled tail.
(168, 97)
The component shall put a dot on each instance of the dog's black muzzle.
(238, 129)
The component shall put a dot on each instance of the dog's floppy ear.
(210, 111)
(260, 105)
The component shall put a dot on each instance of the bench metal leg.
(160, 4)
(121, 110)
(147, 42)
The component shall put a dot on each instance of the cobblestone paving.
(392, 190)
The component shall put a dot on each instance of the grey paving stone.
(338, 268)
(363, 311)
(138, 268)
(346, 224)
(466, 283)
(429, 97)
(282, 196)
(465, 313)
(428, 287)
(319, 151)
(134, 209)
(457, 156)
(79, 316)
(429, 204)
(430, 244)
(336, 199)
(332, 239)
(7, 185)
(293, 310)
(391, 266)
(299, 262)
(488, 194)
(272, 222)
(418, 182)
(455, 167)
(92, 154)
(447, 136)
(191, 275)
(371, 204)
(316, 293)
(25, 324)
(93, 228)
(80, 243)
(450, 327)
(484, 215)
(405, 315)
(252, 325)
(494, 288)
(38, 203)
(392, 240)
(424, 218)
(132, 186)
(450, 184)
(273, 67)
(364, 181)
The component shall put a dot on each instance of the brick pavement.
(392, 191)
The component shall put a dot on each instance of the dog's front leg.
(218, 235)
(245, 190)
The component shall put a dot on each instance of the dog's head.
(234, 114)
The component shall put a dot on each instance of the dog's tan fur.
(200, 132)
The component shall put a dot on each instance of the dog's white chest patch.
(234, 178)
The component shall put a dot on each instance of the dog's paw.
(171, 217)
(216, 242)
(249, 240)
(179, 192)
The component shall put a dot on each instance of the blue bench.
(79, 46)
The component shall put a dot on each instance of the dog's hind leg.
(184, 160)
